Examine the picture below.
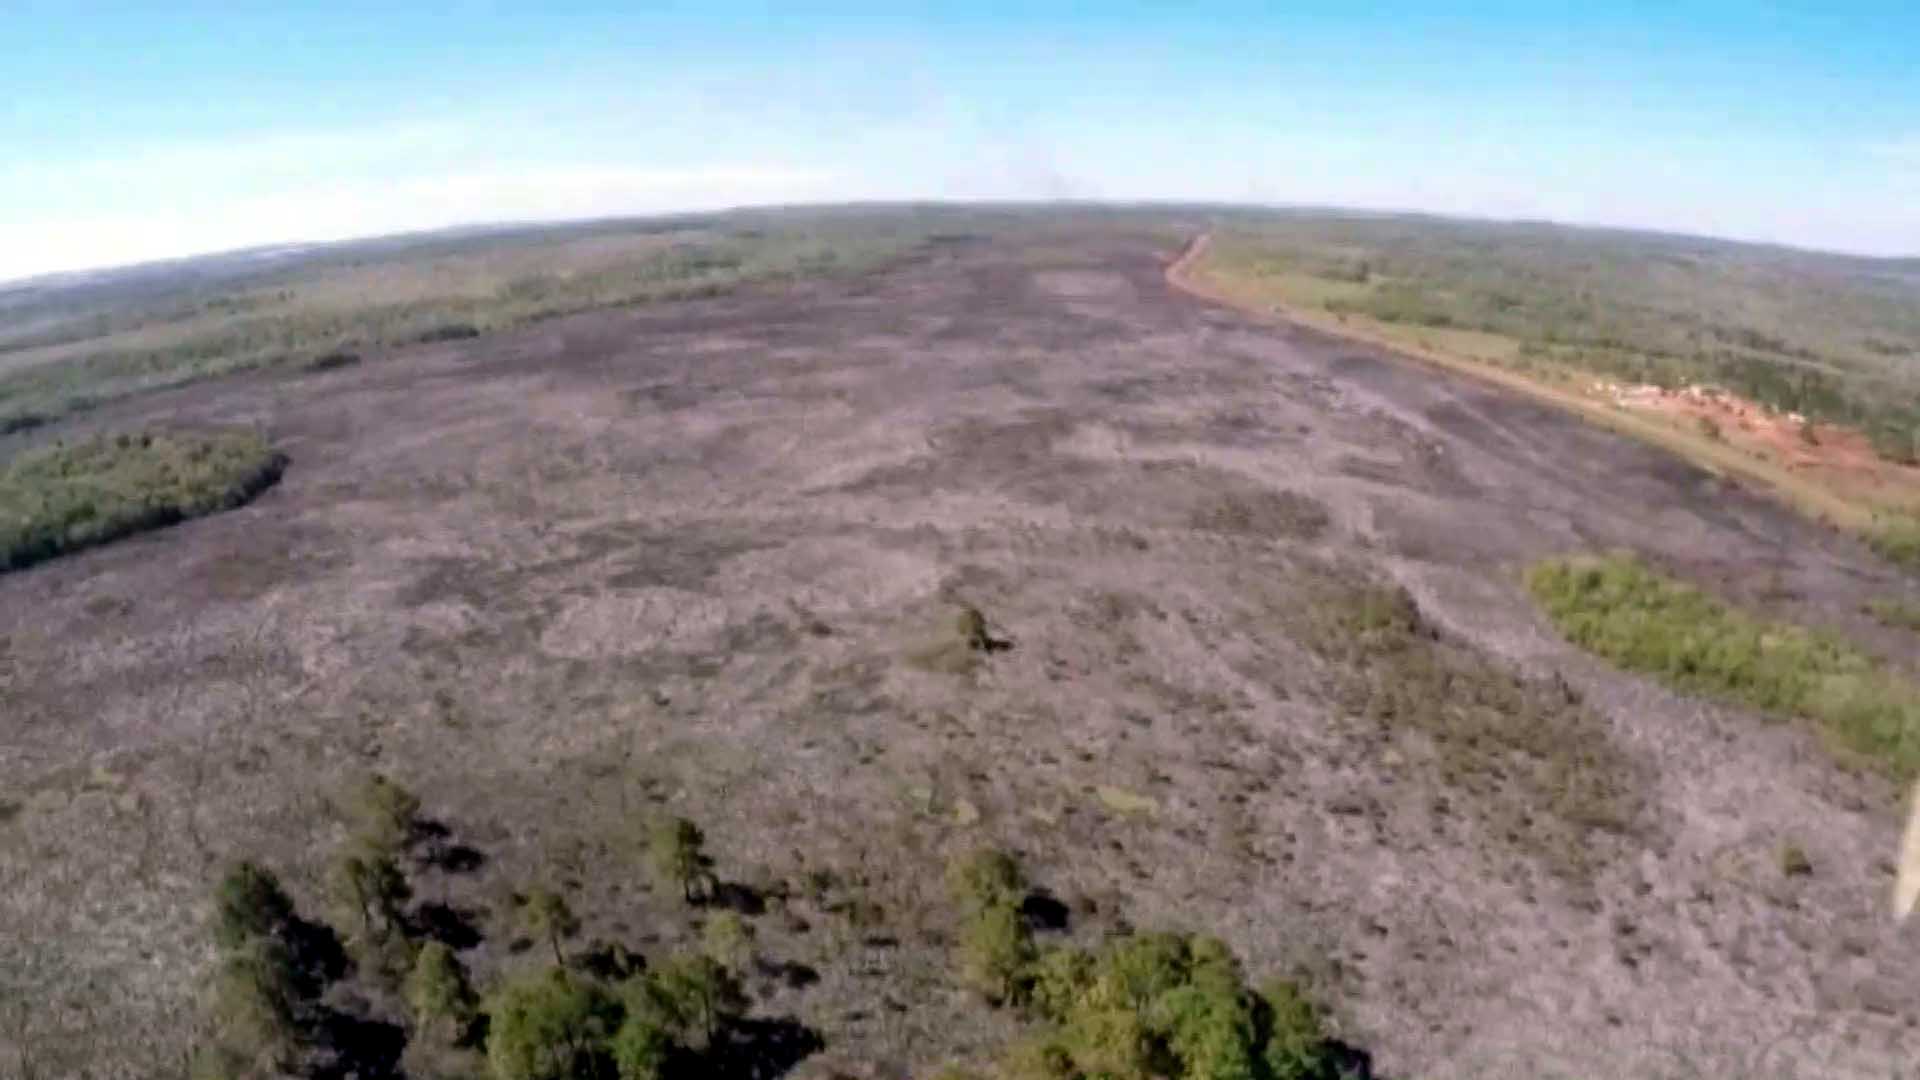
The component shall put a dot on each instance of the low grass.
(1618, 608)
(72, 496)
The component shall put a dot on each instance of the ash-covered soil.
(691, 557)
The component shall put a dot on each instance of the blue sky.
(139, 131)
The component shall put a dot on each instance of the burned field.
(1218, 626)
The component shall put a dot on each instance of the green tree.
(985, 877)
(641, 1049)
(1295, 1036)
(1060, 979)
(1136, 971)
(368, 882)
(728, 940)
(995, 950)
(437, 989)
(689, 996)
(253, 1002)
(249, 904)
(547, 1026)
(381, 815)
(547, 917)
(675, 852)
(1211, 1032)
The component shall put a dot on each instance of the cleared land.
(1255, 658)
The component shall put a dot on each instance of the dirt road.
(673, 557)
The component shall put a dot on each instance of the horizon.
(152, 136)
(301, 247)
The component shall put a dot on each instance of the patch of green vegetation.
(1826, 336)
(1620, 609)
(1525, 758)
(71, 496)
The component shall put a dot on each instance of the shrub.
(67, 497)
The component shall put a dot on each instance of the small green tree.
(253, 1002)
(985, 877)
(1059, 979)
(368, 883)
(689, 996)
(728, 940)
(546, 916)
(641, 1049)
(437, 989)
(249, 904)
(1294, 1035)
(675, 852)
(547, 1026)
(1211, 1032)
(381, 815)
(996, 949)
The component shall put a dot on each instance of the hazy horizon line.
(505, 225)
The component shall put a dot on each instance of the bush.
(1616, 607)
(68, 497)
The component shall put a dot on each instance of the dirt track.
(674, 555)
